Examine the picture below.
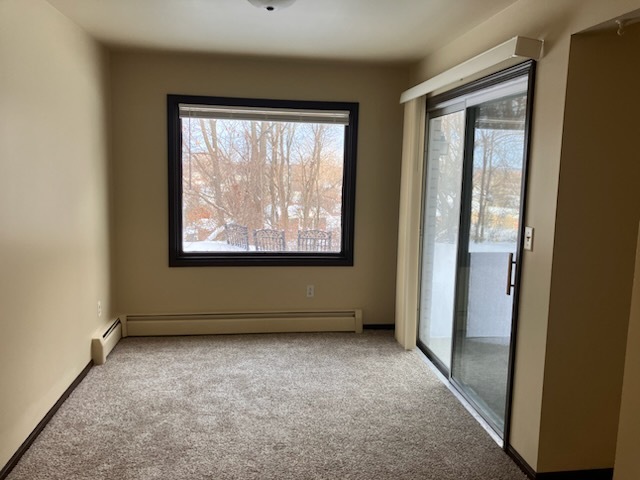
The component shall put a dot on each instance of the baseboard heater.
(104, 342)
(243, 322)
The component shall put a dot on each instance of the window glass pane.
(261, 186)
(440, 238)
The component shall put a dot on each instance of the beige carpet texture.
(285, 406)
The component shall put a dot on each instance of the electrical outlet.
(311, 291)
(99, 309)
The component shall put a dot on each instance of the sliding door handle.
(510, 284)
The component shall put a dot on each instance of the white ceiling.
(371, 30)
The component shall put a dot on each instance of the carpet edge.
(13, 461)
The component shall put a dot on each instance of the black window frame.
(179, 258)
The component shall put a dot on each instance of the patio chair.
(237, 235)
(267, 240)
(314, 241)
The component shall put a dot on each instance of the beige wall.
(554, 21)
(53, 210)
(409, 220)
(627, 465)
(54, 215)
(593, 263)
(144, 282)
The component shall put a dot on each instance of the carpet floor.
(285, 406)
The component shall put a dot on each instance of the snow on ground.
(212, 246)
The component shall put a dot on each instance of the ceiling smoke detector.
(271, 5)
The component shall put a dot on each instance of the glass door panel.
(488, 245)
(441, 220)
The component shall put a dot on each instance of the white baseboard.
(103, 343)
(243, 322)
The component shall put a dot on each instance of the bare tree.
(260, 174)
(449, 174)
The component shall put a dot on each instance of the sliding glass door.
(471, 237)
(443, 189)
(488, 246)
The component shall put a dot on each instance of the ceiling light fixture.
(271, 5)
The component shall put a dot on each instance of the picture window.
(261, 182)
